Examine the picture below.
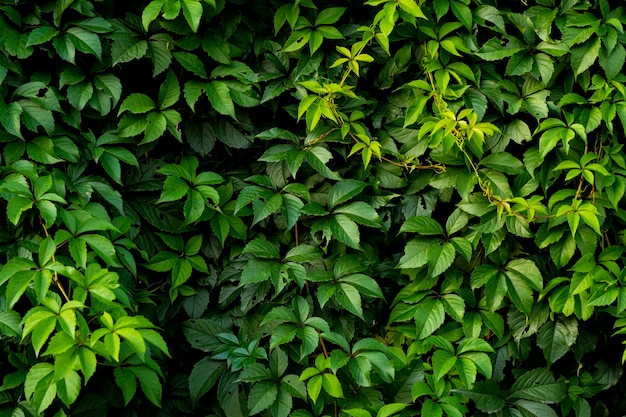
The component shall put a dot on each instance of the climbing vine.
(312, 208)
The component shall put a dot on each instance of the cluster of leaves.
(379, 208)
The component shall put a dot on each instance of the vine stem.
(56, 274)
(323, 346)
(349, 70)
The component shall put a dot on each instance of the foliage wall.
(312, 207)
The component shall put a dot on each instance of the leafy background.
(311, 207)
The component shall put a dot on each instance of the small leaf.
(344, 191)
(137, 103)
(150, 12)
(169, 91)
(423, 225)
(191, 63)
(329, 16)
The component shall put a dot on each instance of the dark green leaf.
(203, 377)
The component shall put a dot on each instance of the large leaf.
(583, 56)
(538, 385)
(192, 10)
(556, 337)
(203, 377)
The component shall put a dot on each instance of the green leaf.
(192, 10)
(462, 12)
(429, 317)
(318, 157)
(423, 225)
(128, 48)
(14, 266)
(10, 118)
(232, 137)
(87, 360)
(536, 408)
(503, 162)
(262, 396)
(416, 253)
(159, 52)
(102, 247)
(556, 337)
(527, 269)
(487, 396)
(18, 283)
(203, 376)
(613, 63)
(149, 382)
(329, 16)
(219, 96)
(191, 63)
(344, 191)
(157, 123)
(137, 103)
(297, 40)
(314, 387)
(85, 41)
(361, 213)
(440, 258)
(345, 230)
(467, 371)
(127, 383)
(303, 253)
(494, 50)
(201, 136)
(174, 188)
(538, 385)
(366, 285)
(583, 56)
(41, 35)
(262, 248)
(40, 386)
(262, 210)
(259, 270)
(331, 385)
(430, 408)
(350, 298)
(79, 94)
(150, 12)
(169, 91)
(391, 409)
(442, 361)
(40, 116)
(520, 292)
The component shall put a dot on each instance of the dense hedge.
(312, 207)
